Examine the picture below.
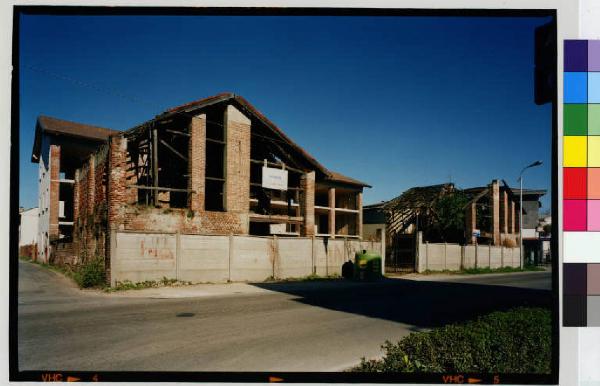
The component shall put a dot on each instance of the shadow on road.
(421, 303)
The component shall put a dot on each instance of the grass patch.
(477, 271)
(164, 282)
(514, 341)
(271, 279)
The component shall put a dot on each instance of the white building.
(28, 227)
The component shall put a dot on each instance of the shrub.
(91, 274)
(515, 341)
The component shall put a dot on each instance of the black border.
(290, 377)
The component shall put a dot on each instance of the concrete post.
(382, 246)
(427, 255)
(230, 253)
(275, 250)
(177, 254)
(445, 256)
(312, 254)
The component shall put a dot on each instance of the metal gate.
(401, 256)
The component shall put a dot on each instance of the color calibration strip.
(581, 184)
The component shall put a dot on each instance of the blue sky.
(393, 101)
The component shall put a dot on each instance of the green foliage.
(477, 271)
(311, 277)
(164, 282)
(449, 217)
(515, 341)
(91, 274)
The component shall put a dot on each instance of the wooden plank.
(178, 132)
(173, 150)
(160, 188)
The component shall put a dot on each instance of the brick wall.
(90, 208)
(54, 171)
(237, 186)
(307, 204)
(197, 162)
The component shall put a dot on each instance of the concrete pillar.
(307, 204)
(237, 173)
(197, 162)
(331, 206)
(359, 218)
(54, 205)
(495, 198)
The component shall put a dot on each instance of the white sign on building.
(274, 178)
(277, 229)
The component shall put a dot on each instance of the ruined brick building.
(195, 169)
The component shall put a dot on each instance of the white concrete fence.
(216, 259)
(453, 257)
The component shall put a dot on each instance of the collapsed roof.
(243, 105)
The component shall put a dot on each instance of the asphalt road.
(321, 326)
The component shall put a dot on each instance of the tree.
(449, 217)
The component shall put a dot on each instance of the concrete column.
(359, 218)
(331, 206)
(495, 198)
(54, 204)
(197, 162)
(237, 173)
(307, 206)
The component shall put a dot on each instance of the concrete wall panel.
(294, 258)
(141, 257)
(203, 259)
(251, 258)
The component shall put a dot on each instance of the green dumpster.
(367, 265)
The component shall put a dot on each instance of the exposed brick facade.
(197, 162)
(307, 205)
(106, 199)
(90, 208)
(53, 231)
(237, 185)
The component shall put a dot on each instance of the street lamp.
(536, 163)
